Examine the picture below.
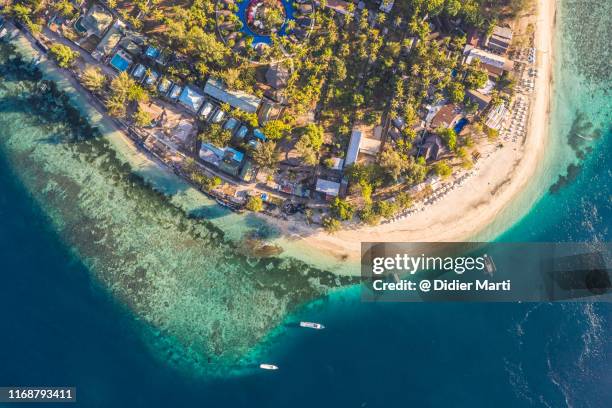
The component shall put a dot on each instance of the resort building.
(370, 146)
(500, 40)
(277, 76)
(211, 154)
(479, 99)
(236, 99)
(232, 159)
(337, 163)
(446, 117)
(139, 71)
(151, 78)
(175, 91)
(432, 148)
(353, 148)
(228, 160)
(338, 6)
(95, 21)
(495, 64)
(247, 173)
(191, 99)
(109, 41)
(155, 54)
(164, 86)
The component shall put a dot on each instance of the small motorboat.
(312, 325)
(489, 265)
(268, 367)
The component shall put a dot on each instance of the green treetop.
(63, 55)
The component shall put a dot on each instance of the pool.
(460, 125)
(258, 38)
(120, 63)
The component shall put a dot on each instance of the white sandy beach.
(466, 211)
(461, 214)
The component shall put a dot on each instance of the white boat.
(268, 367)
(312, 325)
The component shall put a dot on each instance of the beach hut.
(207, 109)
(329, 188)
(164, 86)
(175, 91)
(139, 71)
(151, 78)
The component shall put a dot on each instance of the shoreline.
(466, 212)
(460, 215)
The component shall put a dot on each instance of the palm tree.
(121, 85)
(116, 106)
(93, 78)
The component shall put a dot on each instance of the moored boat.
(268, 366)
(489, 265)
(312, 325)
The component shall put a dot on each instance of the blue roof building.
(152, 52)
(260, 135)
(191, 99)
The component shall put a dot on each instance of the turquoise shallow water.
(109, 287)
(206, 302)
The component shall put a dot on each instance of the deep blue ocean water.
(60, 328)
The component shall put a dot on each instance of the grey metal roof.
(237, 99)
(328, 187)
(353, 149)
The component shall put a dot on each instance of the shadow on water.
(264, 230)
(58, 322)
(209, 212)
(162, 181)
(116, 260)
(580, 138)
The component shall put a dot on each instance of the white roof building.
(370, 146)
(496, 117)
(495, 64)
(330, 188)
(486, 58)
(353, 148)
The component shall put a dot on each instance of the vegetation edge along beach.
(442, 207)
